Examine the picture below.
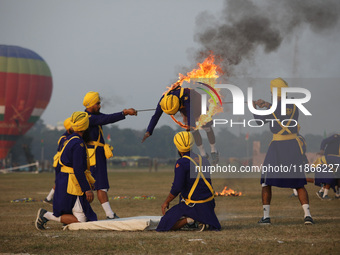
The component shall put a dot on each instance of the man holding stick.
(286, 149)
(98, 150)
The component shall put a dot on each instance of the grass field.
(238, 216)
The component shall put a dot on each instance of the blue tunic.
(334, 159)
(99, 171)
(185, 176)
(286, 153)
(74, 156)
(331, 145)
(190, 107)
(331, 148)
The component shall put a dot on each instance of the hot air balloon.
(25, 91)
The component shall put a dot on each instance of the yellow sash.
(279, 137)
(56, 159)
(92, 151)
(57, 155)
(73, 186)
(181, 93)
(283, 128)
(200, 174)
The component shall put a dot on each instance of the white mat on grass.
(138, 223)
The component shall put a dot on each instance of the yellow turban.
(183, 141)
(278, 83)
(80, 121)
(170, 104)
(67, 123)
(90, 99)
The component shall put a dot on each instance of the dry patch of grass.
(238, 216)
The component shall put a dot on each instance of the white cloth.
(138, 223)
(78, 211)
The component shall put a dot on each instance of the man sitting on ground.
(197, 203)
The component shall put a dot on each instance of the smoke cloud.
(111, 101)
(245, 25)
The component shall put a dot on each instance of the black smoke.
(245, 25)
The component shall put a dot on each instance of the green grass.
(238, 217)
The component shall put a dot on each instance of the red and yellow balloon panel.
(25, 91)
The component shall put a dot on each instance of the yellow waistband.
(95, 143)
(277, 137)
(189, 201)
(67, 169)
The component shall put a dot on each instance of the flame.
(213, 109)
(228, 192)
(206, 72)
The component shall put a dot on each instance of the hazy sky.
(129, 51)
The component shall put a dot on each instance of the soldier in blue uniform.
(197, 204)
(188, 102)
(330, 148)
(73, 193)
(330, 145)
(62, 139)
(334, 161)
(98, 150)
(286, 149)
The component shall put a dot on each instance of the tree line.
(41, 143)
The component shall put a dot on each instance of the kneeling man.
(73, 192)
(197, 203)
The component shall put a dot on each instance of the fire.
(228, 192)
(206, 72)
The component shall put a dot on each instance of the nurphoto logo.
(238, 102)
